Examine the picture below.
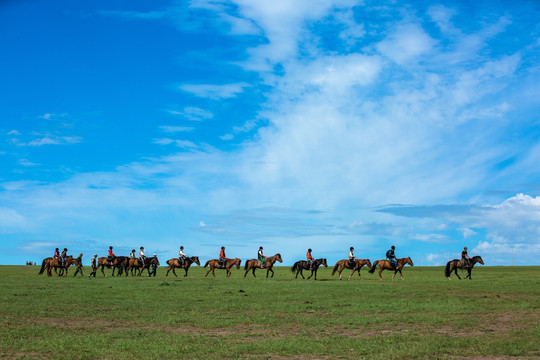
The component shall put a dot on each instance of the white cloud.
(192, 113)
(175, 129)
(215, 92)
(53, 140)
(407, 42)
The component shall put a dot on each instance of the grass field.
(494, 316)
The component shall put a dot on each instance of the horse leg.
(380, 271)
(312, 275)
(350, 276)
(228, 272)
(103, 272)
(455, 270)
(186, 269)
(208, 271)
(400, 274)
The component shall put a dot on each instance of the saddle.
(352, 263)
(222, 263)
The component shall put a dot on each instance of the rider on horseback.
(110, 256)
(352, 258)
(310, 259)
(222, 257)
(56, 254)
(142, 255)
(261, 257)
(392, 257)
(132, 254)
(63, 257)
(181, 256)
(465, 259)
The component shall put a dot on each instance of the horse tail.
(42, 267)
(447, 269)
(335, 268)
(372, 270)
(246, 265)
(293, 269)
(168, 262)
(208, 262)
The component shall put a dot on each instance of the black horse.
(455, 264)
(301, 265)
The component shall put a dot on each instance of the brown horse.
(118, 262)
(268, 264)
(229, 263)
(387, 265)
(175, 263)
(455, 264)
(301, 265)
(137, 265)
(346, 264)
(50, 263)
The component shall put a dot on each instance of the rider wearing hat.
(310, 259)
(142, 255)
(465, 258)
(181, 256)
(222, 256)
(63, 257)
(352, 258)
(261, 257)
(110, 256)
(390, 255)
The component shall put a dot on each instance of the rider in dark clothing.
(465, 258)
(390, 255)
(63, 257)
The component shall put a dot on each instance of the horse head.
(478, 259)
(195, 259)
(409, 261)
(278, 258)
(323, 262)
(237, 262)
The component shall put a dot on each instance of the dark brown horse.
(455, 264)
(147, 263)
(268, 264)
(50, 263)
(229, 263)
(346, 264)
(118, 262)
(175, 263)
(301, 265)
(387, 265)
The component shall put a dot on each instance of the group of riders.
(390, 255)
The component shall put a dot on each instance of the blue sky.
(283, 124)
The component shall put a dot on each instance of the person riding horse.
(63, 257)
(110, 256)
(222, 257)
(390, 255)
(465, 258)
(261, 257)
(142, 256)
(181, 256)
(310, 259)
(352, 258)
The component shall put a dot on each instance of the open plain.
(494, 316)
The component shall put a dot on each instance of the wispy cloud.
(192, 113)
(175, 129)
(215, 92)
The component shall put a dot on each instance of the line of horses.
(134, 266)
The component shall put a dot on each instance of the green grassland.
(425, 316)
